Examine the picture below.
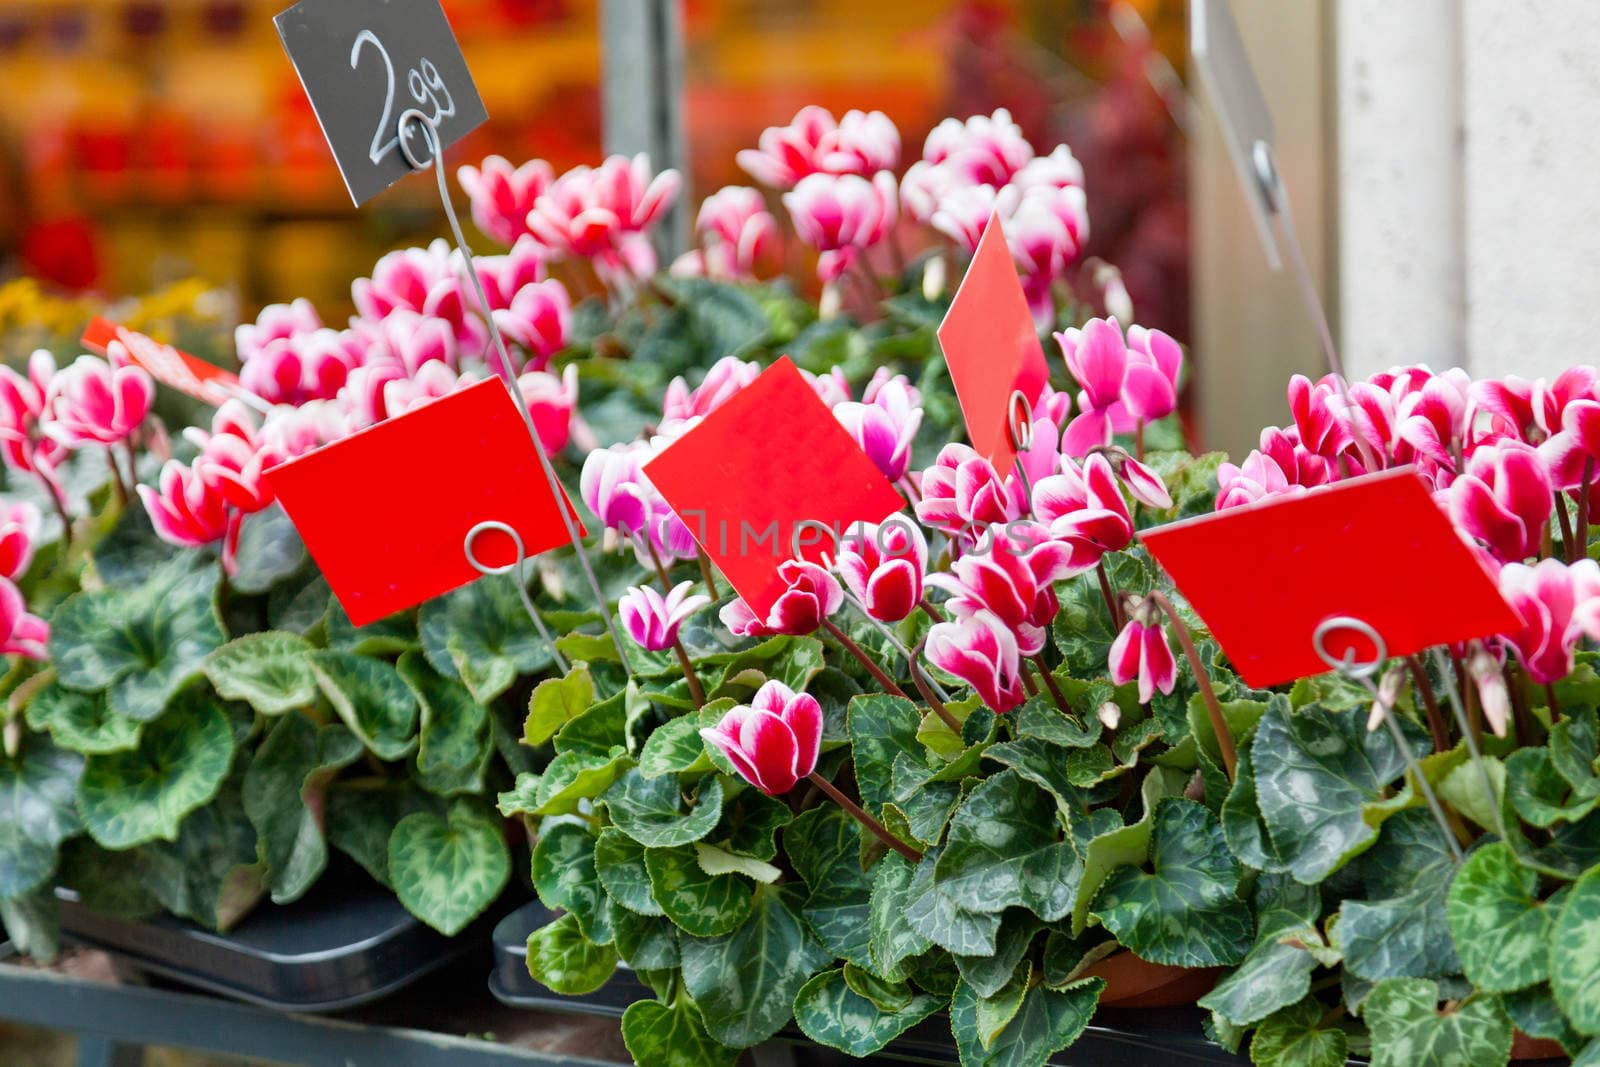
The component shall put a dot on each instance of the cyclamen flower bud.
(1141, 651)
(652, 620)
(1493, 695)
(1389, 687)
(773, 741)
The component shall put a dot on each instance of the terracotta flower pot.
(1524, 1047)
(1135, 983)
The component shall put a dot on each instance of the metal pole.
(641, 96)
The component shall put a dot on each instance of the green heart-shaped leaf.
(1500, 926)
(1277, 972)
(619, 864)
(361, 819)
(1044, 1022)
(36, 793)
(480, 635)
(557, 701)
(454, 739)
(446, 871)
(1320, 776)
(270, 550)
(1002, 852)
(564, 875)
(1400, 930)
(371, 698)
(830, 1013)
(1295, 1037)
(130, 798)
(1539, 792)
(1107, 847)
(82, 722)
(671, 1036)
(211, 873)
(141, 644)
(645, 942)
(700, 903)
(931, 912)
(1409, 1030)
(1185, 911)
(283, 797)
(676, 747)
(745, 982)
(270, 671)
(824, 848)
(650, 810)
(881, 727)
(1575, 954)
(560, 957)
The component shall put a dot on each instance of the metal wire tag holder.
(1362, 672)
(435, 161)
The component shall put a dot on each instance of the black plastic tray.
(346, 943)
(1116, 1037)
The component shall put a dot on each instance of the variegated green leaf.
(36, 793)
(830, 1013)
(130, 798)
(650, 810)
(1296, 1037)
(702, 904)
(82, 722)
(268, 670)
(1045, 1022)
(560, 957)
(454, 739)
(1002, 852)
(283, 798)
(824, 847)
(1575, 954)
(1410, 1030)
(557, 701)
(564, 874)
(672, 1035)
(371, 698)
(480, 635)
(1500, 926)
(447, 870)
(1400, 930)
(619, 864)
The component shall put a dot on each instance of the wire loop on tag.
(429, 135)
(803, 524)
(1021, 430)
(518, 565)
(1347, 664)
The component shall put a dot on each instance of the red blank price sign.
(770, 459)
(1377, 548)
(386, 512)
(992, 348)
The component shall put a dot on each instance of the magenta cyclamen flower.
(411, 279)
(21, 634)
(981, 651)
(962, 493)
(652, 620)
(860, 143)
(551, 401)
(1575, 447)
(615, 489)
(537, 321)
(184, 509)
(773, 741)
(1553, 600)
(1085, 507)
(1503, 500)
(735, 229)
(600, 213)
(22, 412)
(840, 215)
(885, 431)
(1141, 652)
(502, 195)
(91, 400)
(725, 377)
(983, 150)
(1122, 382)
(19, 531)
(276, 322)
(812, 594)
(1013, 584)
(1281, 466)
(884, 567)
(303, 366)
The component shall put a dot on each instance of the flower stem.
(1567, 540)
(1441, 736)
(655, 558)
(1219, 725)
(1138, 440)
(118, 486)
(933, 701)
(877, 828)
(1517, 682)
(929, 610)
(697, 693)
(1109, 594)
(1583, 510)
(1049, 683)
(58, 501)
(865, 660)
(705, 573)
(1555, 705)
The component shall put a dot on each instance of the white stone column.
(1531, 80)
(1402, 276)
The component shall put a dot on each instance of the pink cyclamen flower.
(91, 400)
(773, 741)
(275, 323)
(1318, 416)
(883, 566)
(21, 633)
(615, 488)
(1281, 466)
(502, 195)
(19, 532)
(590, 212)
(962, 493)
(537, 321)
(1576, 447)
(725, 378)
(1432, 417)
(652, 620)
(963, 213)
(1141, 652)
(303, 367)
(1046, 234)
(1547, 598)
(1085, 507)
(410, 278)
(983, 150)
(981, 651)
(736, 229)
(789, 153)
(551, 401)
(22, 412)
(1503, 500)
(812, 594)
(840, 215)
(1012, 583)
(1122, 382)
(884, 431)
(184, 509)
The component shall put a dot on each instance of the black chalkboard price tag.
(364, 64)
